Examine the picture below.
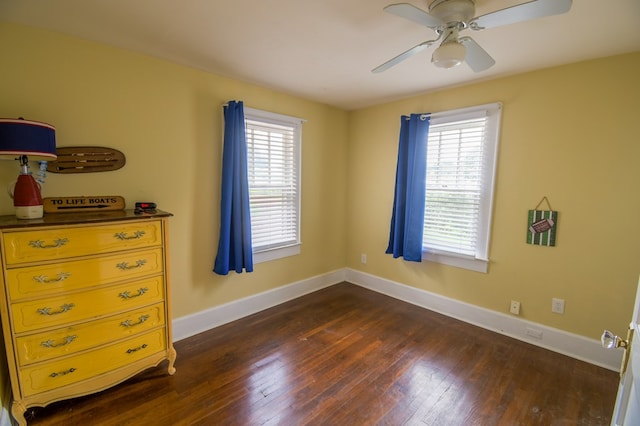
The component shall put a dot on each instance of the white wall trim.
(573, 345)
(193, 324)
(6, 399)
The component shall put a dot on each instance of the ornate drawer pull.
(42, 279)
(64, 308)
(127, 295)
(125, 265)
(62, 373)
(123, 235)
(128, 323)
(57, 243)
(130, 351)
(51, 344)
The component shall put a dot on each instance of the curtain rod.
(269, 114)
(477, 110)
(422, 117)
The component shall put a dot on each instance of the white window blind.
(461, 151)
(273, 146)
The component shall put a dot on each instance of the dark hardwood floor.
(349, 356)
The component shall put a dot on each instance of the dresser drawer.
(69, 340)
(73, 369)
(58, 278)
(60, 243)
(72, 307)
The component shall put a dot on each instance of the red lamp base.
(27, 199)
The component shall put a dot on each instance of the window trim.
(479, 262)
(278, 252)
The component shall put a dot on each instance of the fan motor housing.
(452, 10)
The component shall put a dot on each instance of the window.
(461, 158)
(273, 153)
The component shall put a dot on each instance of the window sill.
(276, 253)
(456, 260)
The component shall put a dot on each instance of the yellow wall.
(568, 133)
(167, 120)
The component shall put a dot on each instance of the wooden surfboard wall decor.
(86, 159)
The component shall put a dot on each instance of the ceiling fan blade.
(476, 57)
(401, 57)
(412, 13)
(522, 12)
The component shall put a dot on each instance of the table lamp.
(23, 140)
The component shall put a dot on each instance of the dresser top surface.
(49, 219)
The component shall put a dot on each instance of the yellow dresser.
(84, 303)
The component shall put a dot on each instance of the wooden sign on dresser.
(84, 300)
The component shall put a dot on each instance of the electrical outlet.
(363, 258)
(515, 307)
(534, 332)
(557, 305)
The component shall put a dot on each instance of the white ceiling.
(324, 50)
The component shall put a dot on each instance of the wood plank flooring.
(349, 356)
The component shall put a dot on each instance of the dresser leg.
(18, 410)
(172, 360)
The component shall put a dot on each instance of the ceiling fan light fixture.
(449, 55)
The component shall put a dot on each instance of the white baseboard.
(573, 345)
(193, 324)
(5, 399)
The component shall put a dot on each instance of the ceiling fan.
(448, 17)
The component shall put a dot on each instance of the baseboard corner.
(199, 322)
(560, 341)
